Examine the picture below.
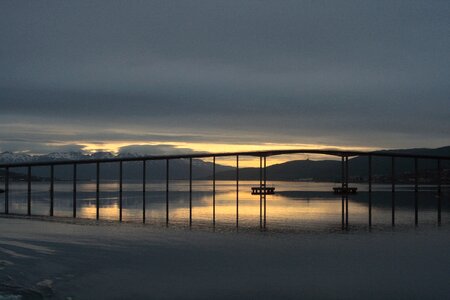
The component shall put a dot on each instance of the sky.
(164, 77)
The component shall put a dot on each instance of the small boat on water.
(268, 190)
(345, 190)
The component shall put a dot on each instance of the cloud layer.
(357, 73)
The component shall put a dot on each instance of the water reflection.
(295, 204)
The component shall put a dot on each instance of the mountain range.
(178, 169)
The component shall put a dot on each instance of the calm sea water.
(296, 205)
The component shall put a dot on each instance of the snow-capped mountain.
(10, 157)
(16, 157)
(101, 155)
(128, 154)
(179, 167)
(73, 155)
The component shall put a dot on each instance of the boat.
(268, 190)
(345, 190)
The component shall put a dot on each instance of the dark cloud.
(37, 148)
(369, 73)
(160, 149)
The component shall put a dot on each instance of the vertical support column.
(342, 192)
(265, 194)
(237, 191)
(97, 192)
(190, 191)
(120, 190)
(370, 191)
(416, 191)
(439, 175)
(52, 189)
(260, 192)
(29, 192)
(346, 195)
(144, 180)
(214, 192)
(167, 192)
(393, 189)
(7, 190)
(74, 199)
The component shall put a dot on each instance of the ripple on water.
(9, 292)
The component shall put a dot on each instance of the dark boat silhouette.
(345, 189)
(269, 190)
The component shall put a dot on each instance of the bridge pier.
(29, 191)
(167, 192)
(416, 192)
(343, 199)
(74, 188)
(393, 189)
(52, 189)
(439, 180)
(265, 196)
(237, 191)
(7, 190)
(120, 190)
(370, 191)
(260, 193)
(214, 194)
(190, 192)
(144, 181)
(346, 195)
(97, 192)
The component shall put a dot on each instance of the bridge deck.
(333, 152)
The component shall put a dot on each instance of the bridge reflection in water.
(231, 203)
(303, 206)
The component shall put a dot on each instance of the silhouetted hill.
(292, 170)
(358, 166)
(330, 170)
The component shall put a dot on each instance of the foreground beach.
(40, 258)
